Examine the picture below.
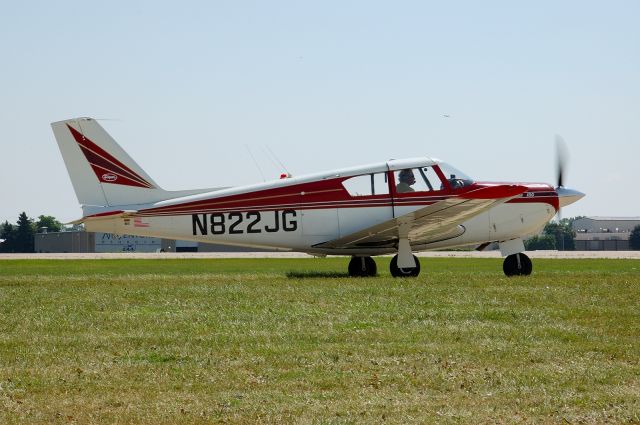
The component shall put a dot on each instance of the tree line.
(20, 237)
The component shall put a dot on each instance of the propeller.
(566, 196)
(562, 157)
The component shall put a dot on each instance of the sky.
(192, 89)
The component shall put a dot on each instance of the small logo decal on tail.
(109, 178)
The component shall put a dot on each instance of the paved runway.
(427, 254)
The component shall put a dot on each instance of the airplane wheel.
(517, 265)
(409, 272)
(362, 267)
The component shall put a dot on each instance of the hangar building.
(604, 233)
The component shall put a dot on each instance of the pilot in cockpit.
(407, 179)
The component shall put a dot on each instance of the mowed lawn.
(298, 341)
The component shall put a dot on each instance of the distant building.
(604, 233)
(81, 241)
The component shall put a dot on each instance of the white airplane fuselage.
(296, 215)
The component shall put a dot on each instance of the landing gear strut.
(404, 272)
(362, 267)
(517, 265)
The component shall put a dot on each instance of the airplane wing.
(438, 221)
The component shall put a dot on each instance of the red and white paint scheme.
(393, 207)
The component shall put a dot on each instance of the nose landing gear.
(406, 271)
(517, 265)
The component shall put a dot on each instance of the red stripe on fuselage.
(268, 208)
(322, 191)
(330, 193)
(551, 200)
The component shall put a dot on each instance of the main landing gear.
(517, 265)
(362, 267)
(366, 267)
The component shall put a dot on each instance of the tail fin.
(101, 172)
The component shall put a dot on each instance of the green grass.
(296, 340)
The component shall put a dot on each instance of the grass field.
(296, 340)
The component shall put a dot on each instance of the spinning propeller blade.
(566, 196)
(562, 156)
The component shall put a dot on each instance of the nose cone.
(568, 196)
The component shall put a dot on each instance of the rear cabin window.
(367, 185)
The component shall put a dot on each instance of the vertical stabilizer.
(101, 172)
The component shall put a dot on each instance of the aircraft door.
(369, 202)
(320, 222)
(319, 218)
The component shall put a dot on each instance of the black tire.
(398, 272)
(517, 265)
(362, 267)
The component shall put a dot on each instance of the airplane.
(397, 207)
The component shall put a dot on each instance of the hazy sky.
(325, 85)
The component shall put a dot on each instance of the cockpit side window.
(419, 179)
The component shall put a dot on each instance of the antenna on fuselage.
(255, 162)
(279, 162)
(273, 161)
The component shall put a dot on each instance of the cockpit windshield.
(456, 178)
